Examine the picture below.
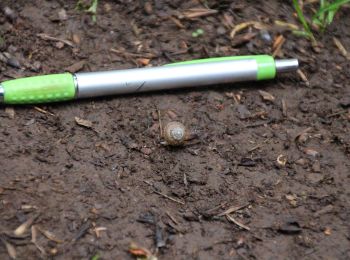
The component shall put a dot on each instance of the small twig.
(168, 197)
(49, 235)
(337, 113)
(284, 108)
(164, 195)
(232, 209)
(43, 111)
(172, 218)
(35, 242)
(237, 223)
(50, 38)
(195, 13)
(177, 22)
(135, 55)
(82, 231)
(160, 123)
(303, 77)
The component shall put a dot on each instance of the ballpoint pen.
(212, 71)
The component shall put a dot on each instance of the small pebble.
(265, 36)
(148, 8)
(62, 15)
(9, 13)
(345, 101)
(221, 30)
(146, 151)
(107, 7)
(13, 62)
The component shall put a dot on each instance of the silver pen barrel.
(92, 84)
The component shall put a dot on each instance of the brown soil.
(78, 179)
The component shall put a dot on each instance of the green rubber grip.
(266, 64)
(39, 89)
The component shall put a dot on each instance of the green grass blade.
(333, 7)
(303, 20)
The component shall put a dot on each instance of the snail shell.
(175, 133)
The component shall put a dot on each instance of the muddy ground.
(281, 166)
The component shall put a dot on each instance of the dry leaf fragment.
(83, 122)
(242, 26)
(21, 229)
(267, 96)
(289, 26)
(11, 250)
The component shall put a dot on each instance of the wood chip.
(10, 112)
(328, 231)
(143, 61)
(267, 96)
(76, 39)
(284, 108)
(177, 22)
(242, 39)
(76, 66)
(303, 77)
(341, 48)
(311, 152)
(277, 45)
(83, 122)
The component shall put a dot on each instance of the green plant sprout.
(90, 8)
(326, 13)
(321, 19)
(197, 33)
(95, 257)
